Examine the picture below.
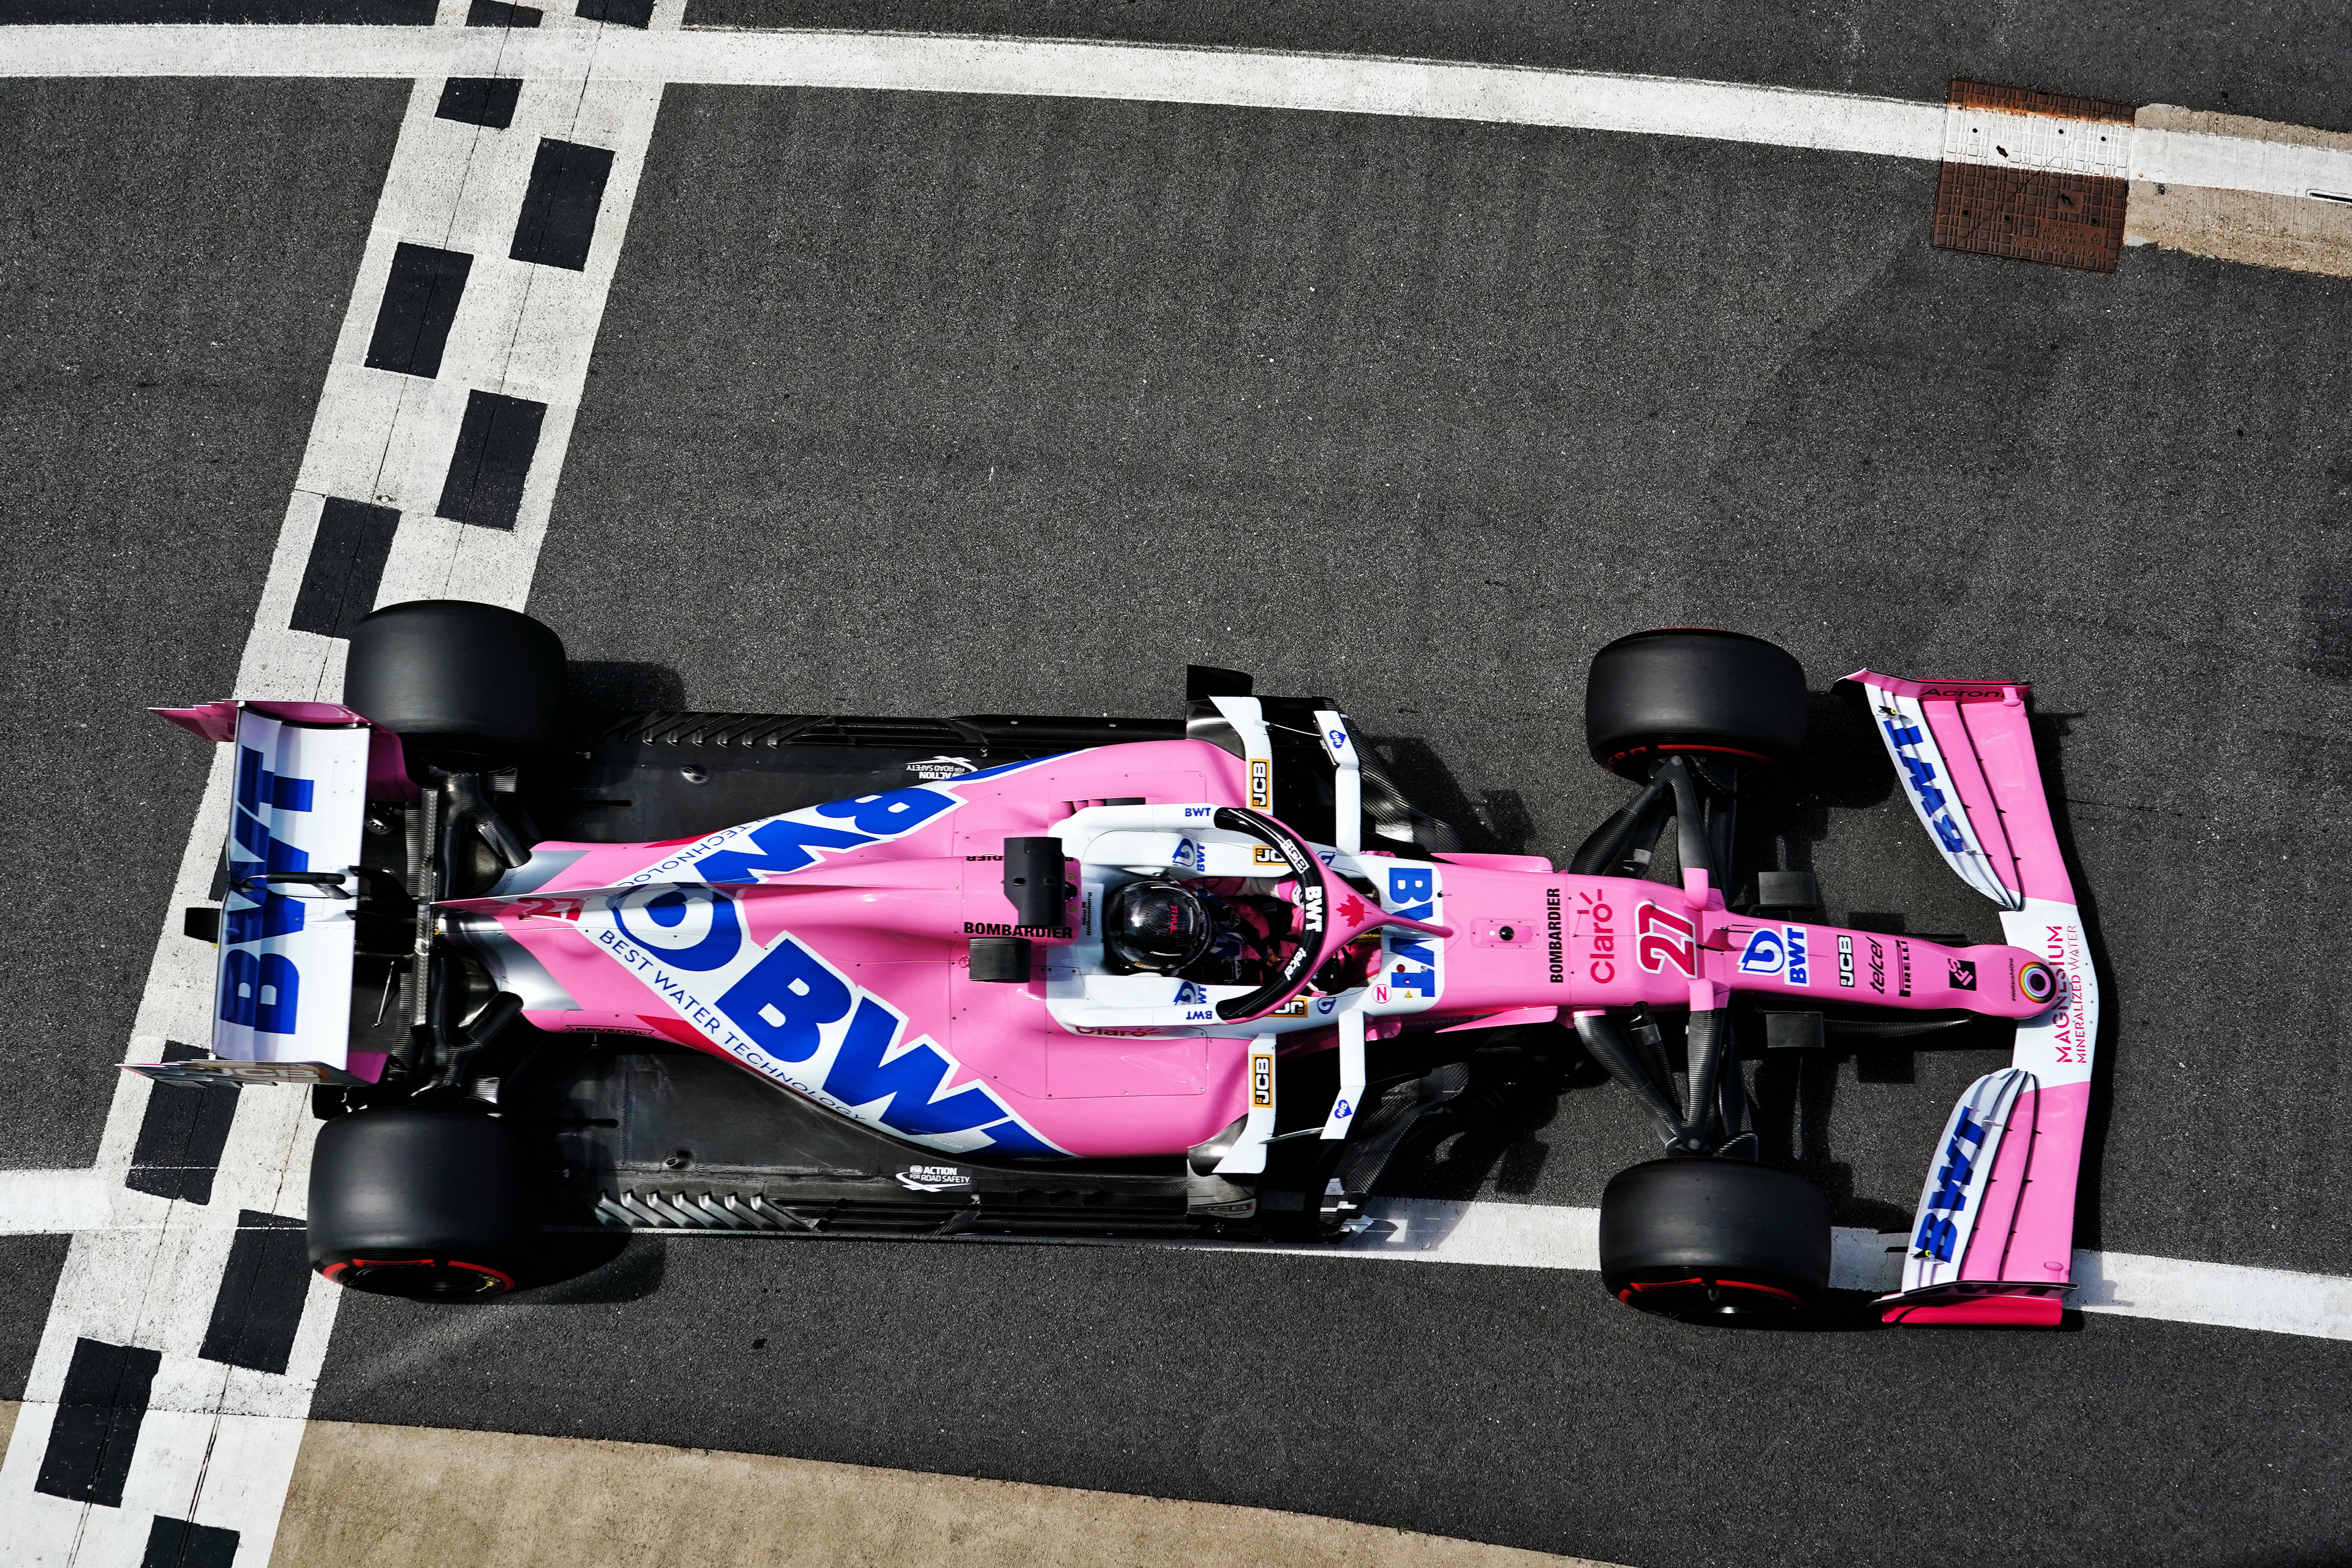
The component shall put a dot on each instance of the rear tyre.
(430, 1205)
(470, 688)
(1657, 694)
(1714, 1239)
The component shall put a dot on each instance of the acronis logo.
(786, 1013)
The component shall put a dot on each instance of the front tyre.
(430, 1205)
(1697, 691)
(1713, 1239)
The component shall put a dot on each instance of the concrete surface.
(2238, 225)
(399, 1497)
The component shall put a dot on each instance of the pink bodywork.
(2019, 1253)
(891, 919)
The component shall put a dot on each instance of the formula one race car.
(1053, 976)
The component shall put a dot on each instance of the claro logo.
(1602, 936)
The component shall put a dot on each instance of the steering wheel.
(1314, 929)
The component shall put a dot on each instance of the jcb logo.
(1260, 784)
(1261, 1078)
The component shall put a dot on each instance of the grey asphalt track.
(923, 405)
(176, 262)
(959, 406)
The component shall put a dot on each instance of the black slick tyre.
(470, 688)
(1693, 690)
(1714, 1239)
(432, 1205)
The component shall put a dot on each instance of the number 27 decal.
(1666, 940)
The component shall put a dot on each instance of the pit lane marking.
(175, 1370)
(2297, 167)
(2264, 194)
(1502, 1235)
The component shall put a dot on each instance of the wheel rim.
(1711, 1296)
(420, 1278)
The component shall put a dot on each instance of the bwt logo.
(789, 1009)
(1922, 779)
(1781, 950)
(261, 991)
(1937, 1231)
(793, 842)
(1413, 893)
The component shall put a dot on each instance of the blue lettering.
(888, 816)
(1948, 833)
(1923, 781)
(786, 999)
(276, 915)
(275, 854)
(1417, 951)
(1903, 734)
(1935, 1238)
(669, 909)
(256, 787)
(1407, 886)
(260, 992)
(860, 1076)
(1422, 981)
(782, 845)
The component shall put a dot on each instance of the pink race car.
(1112, 976)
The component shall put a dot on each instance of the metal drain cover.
(2039, 176)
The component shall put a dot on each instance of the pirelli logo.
(1261, 1079)
(1261, 783)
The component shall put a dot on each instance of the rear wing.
(301, 781)
(1993, 1239)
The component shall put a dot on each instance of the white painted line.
(50, 1203)
(2226, 1295)
(2101, 148)
(1491, 1235)
(1436, 89)
(1539, 1236)
(217, 1443)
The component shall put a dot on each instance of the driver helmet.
(1157, 925)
